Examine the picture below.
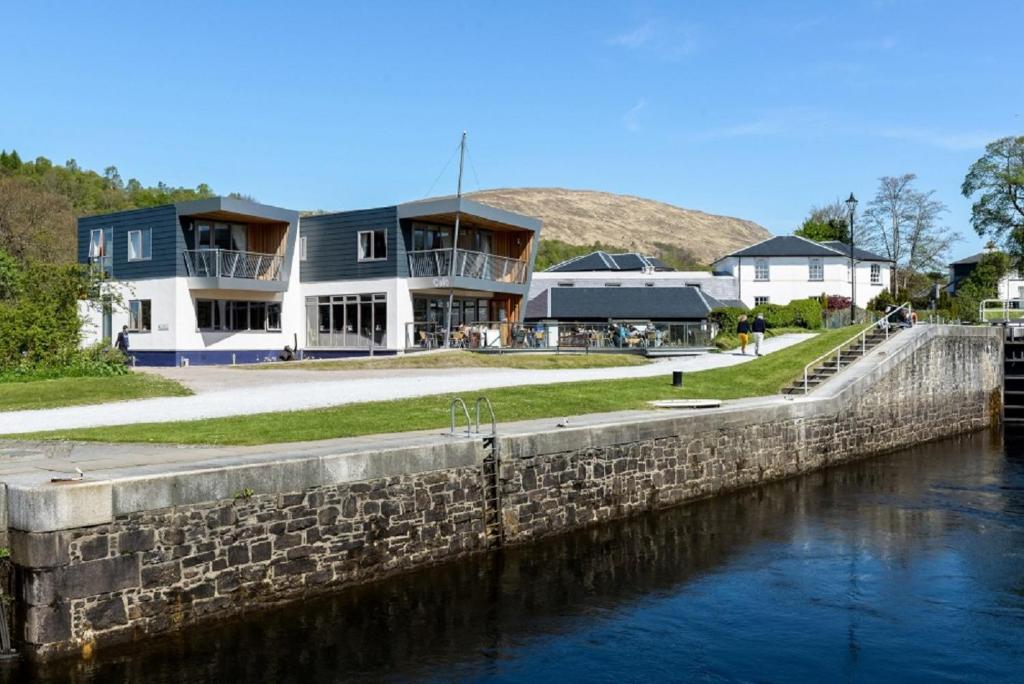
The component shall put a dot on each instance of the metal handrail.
(1004, 308)
(862, 335)
(490, 408)
(468, 263)
(465, 410)
(229, 263)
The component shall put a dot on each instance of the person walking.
(743, 332)
(122, 340)
(759, 329)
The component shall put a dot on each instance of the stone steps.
(847, 357)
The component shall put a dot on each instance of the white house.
(787, 267)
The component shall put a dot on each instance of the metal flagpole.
(455, 245)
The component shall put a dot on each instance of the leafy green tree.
(825, 223)
(981, 284)
(998, 180)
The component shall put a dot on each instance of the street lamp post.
(851, 203)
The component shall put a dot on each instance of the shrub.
(881, 301)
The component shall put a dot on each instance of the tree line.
(40, 203)
(908, 225)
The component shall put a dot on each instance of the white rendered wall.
(789, 279)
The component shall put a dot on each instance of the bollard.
(677, 378)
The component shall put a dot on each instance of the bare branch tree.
(904, 225)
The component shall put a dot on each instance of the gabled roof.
(785, 245)
(973, 259)
(603, 261)
(622, 303)
(862, 254)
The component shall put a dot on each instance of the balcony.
(433, 263)
(254, 267)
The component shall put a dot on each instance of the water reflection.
(905, 567)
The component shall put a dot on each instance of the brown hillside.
(582, 217)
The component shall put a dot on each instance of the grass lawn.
(465, 359)
(40, 394)
(766, 375)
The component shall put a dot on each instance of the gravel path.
(315, 392)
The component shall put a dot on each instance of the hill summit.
(584, 217)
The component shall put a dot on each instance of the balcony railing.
(468, 264)
(227, 263)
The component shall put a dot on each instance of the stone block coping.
(127, 478)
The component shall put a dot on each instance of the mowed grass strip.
(763, 376)
(464, 359)
(42, 394)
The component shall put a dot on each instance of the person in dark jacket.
(759, 329)
(122, 340)
(743, 332)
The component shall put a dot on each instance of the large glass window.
(815, 269)
(140, 244)
(237, 316)
(761, 269)
(373, 245)
(230, 236)
(876, 274)
(139, 315)
(426, 236)
(348, 320)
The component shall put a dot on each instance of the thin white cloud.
(631, 119)
(877, 44)
(972, 140)
(666, 41)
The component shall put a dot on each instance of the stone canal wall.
(147, 553)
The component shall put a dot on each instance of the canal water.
(908, 567)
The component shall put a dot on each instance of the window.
(237, 316)
(302, 248)
(566, 283)
(139, 315)
(761, 269)
(347, 320)
(140, 244)
(758, 301)
(96, 243)
(101, 250)
(373, 245)
(876, 274)
(815, 269)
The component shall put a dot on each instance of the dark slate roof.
(603, 261)
(624, 303)
(973, 259)
(862, 254)
(734, 303)
(786, 245)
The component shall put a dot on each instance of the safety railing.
(566, 335)
(229, 263)
(886, 322)
(432, 263)
(1006, 309)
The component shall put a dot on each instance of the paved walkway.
(264, 391)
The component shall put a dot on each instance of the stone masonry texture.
(152, 572)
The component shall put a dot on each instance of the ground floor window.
(140, 315)
(358, 320)
(758, 301)
(465, 311)
(232, 315)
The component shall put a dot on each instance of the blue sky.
(751, 109)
